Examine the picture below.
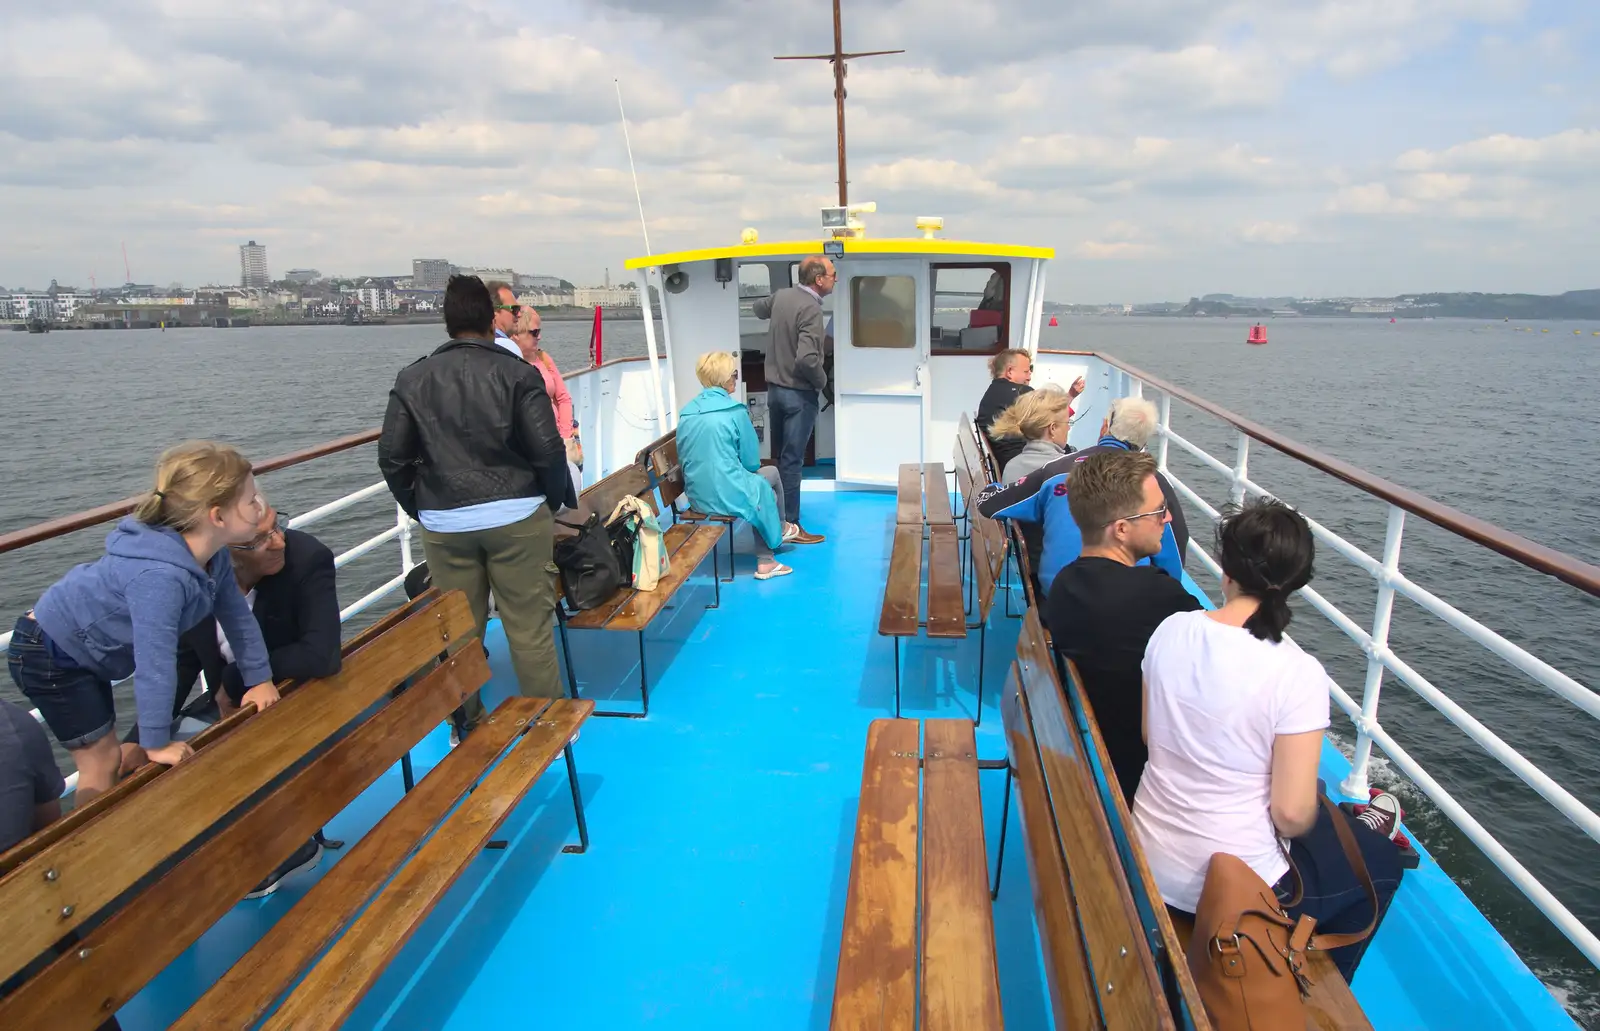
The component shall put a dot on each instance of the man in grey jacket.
(795, 374)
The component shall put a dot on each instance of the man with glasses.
(506, 312)
(288, 580)
(1106, 603)
(796, 374)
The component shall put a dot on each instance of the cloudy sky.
(1164, 147)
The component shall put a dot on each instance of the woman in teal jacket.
(722, 470)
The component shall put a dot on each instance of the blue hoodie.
(124, 612)
(719, 453)
(1041, 497)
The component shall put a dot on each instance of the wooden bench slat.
(1112, 929)
(686, 558)
(103, 859)
(876, 985)
(960, 975)
(331, 991)
(946, 608)
(902, 589)
(937, 494)
(131, 947)
(1175, 949)
(242, 995)
(908, 496)
(97, 806)
(1072, 993)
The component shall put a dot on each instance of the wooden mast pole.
(838, 59)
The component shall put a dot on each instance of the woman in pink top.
(527, 336)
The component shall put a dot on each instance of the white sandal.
(778, 570)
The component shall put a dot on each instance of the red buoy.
(1258, 334)
(1052, 320)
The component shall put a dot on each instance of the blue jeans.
(1333, 895)
(76, 704)
(791, 416)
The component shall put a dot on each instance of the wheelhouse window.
(971, 307)
(883, 311)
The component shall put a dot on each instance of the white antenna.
(632, 170)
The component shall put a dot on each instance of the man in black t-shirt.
(1102, 608)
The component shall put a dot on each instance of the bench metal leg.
(983, 634)
(1005, 818)
(572, 680)
(577, 805)
(896, 678)
(1006, 586)
(731, 573)
(406, 775)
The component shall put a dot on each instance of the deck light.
(749, 236)
(929, 224)
(842, 221)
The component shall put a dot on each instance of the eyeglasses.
(534, 333)
(1162, 512)
(261, 540)
(515, 309)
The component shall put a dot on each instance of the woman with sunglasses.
(527, 335)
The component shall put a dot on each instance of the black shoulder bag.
(589, 570)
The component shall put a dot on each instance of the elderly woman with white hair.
(721, 459)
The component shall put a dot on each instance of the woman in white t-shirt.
(1234, 717)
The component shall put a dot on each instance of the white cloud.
(1270, 232)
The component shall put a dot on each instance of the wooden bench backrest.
(988, 539)
(118, 957)
(124, 788)
(908, 495)
(74, 878)
(602, 497)
(645, 453)
(666, 469)
(1167, 947)
(1047, 749)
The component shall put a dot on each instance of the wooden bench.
(917, 950)
(1101, 967)
(899, 615)
(246, 801)
(662, 461)
(628, 609)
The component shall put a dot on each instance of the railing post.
(1241, 469)
(407, 561)
(1165, 407)
(1355, 785)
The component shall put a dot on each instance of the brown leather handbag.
(1248, 955)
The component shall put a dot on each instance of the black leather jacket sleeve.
(398, 453)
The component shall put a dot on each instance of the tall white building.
(253, 266)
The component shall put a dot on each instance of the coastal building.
(253, 266)
(429, 273)
(556, 298)
(302, 276)
(503, 275)
(375, 297)
(624, 296)
(543, 283)
(27, 306)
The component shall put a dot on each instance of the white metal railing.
(401, 530)
(1374, 644)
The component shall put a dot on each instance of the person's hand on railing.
(171, 754)
(264, 695)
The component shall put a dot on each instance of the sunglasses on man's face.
(515, 309)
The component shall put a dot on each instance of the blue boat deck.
(712, 895)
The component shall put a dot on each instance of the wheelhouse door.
(881, 332)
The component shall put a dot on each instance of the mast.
(838, 59)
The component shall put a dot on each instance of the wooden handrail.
(63, 525)
(1563, 567)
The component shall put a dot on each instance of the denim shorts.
(76, 704)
